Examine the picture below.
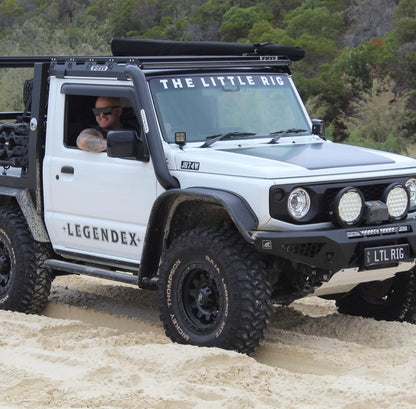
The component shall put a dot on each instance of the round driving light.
(348, 206)
(411, 188)
(298, 203)
(396, 198)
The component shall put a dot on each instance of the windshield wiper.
(284, 133)
(214, 138)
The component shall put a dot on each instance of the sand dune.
(101, 345)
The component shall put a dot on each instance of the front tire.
(390, 300)
(24, 281)
(213, 291)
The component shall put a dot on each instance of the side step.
(91, 271)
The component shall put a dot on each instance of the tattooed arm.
(92, 140)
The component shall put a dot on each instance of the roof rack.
(115, 66)
(162, 54)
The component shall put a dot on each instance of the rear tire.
(213, 291)
(24, 281)
(390, 300)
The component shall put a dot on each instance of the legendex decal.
(127, 238)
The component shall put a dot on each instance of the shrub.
(379, 119)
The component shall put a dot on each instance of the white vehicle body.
(101, 207)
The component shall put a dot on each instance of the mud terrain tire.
(390, 300)
(213, 291)
(24, 282)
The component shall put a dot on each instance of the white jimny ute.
(219, 192)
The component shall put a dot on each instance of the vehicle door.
(95, 205)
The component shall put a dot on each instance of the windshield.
(247, 105)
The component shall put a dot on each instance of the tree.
(237, 21)
(169, 29)
(405, 20)
(318, 22)
(10, 13)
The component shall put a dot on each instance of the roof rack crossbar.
(213, 61)
(22, 62)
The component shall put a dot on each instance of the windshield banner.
(227, 82)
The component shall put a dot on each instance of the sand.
(101, 345)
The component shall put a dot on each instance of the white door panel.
(98, 205)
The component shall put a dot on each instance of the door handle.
(67, 169)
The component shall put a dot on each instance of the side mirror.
(318, 127)
(127, 144)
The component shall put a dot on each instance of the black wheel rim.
(4, 268)
(201, 299)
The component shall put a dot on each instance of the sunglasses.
(104, 110)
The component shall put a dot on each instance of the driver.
(107, 113)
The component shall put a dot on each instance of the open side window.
(78, 116)
(79, 101)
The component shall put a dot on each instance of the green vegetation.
(359, 73)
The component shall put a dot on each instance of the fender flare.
(164, 208)
(27, 207)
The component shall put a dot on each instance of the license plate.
(386, 254)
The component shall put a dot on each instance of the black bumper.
(335, 249)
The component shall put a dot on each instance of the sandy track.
(101, 345)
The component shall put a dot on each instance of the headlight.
(348, 206)
(411, 188)
(298, 203)
(396, 198)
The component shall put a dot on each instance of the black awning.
(130, 46)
